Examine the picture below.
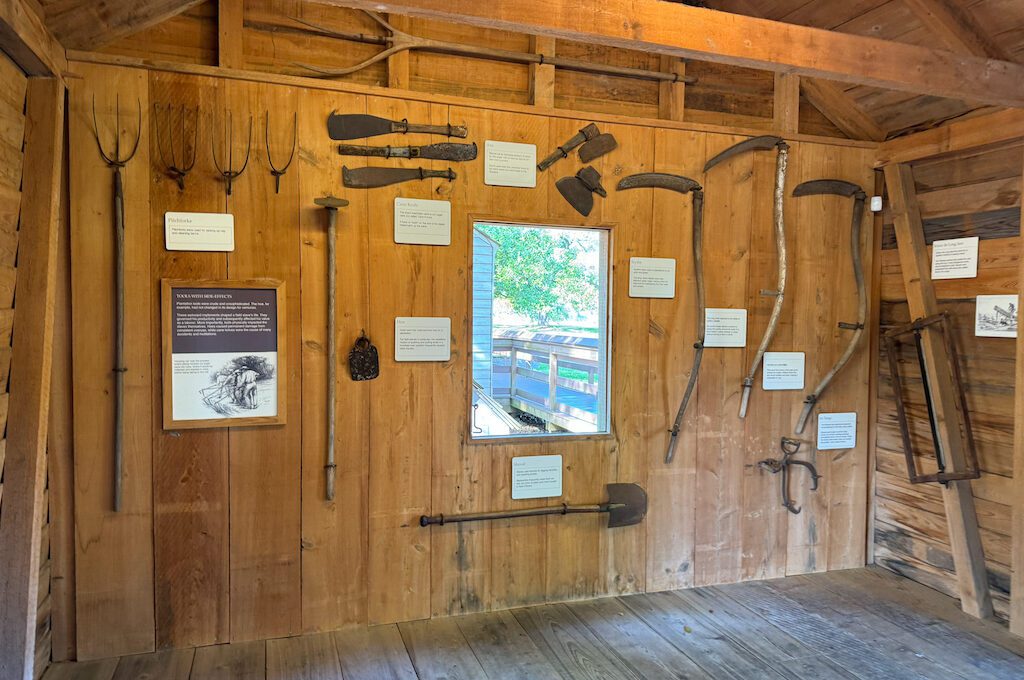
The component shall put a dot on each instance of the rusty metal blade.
(356, 126)
(444, 151)
(658, 180)
(577, 194)
(836, 187)
(597, 147)
(627, 505)
(371, 178)
(762, 143)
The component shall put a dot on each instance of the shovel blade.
(597, 147)
(629, 505)
(578, 195)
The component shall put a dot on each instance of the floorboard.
(860, 624)
(374, 653)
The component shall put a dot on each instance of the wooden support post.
(25, 471)
(1017, 531)
(230, 24)
(552, 381)
(542, 76)
(672, 96)
(398, 64)
(787, 103)
(961, 516)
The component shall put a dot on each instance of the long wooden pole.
(1017, 531)
(961, 516)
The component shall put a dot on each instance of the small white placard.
(782, 371)
(536, 477)
(837, 431)
(995, 316)
(213, 232)
(509, 164)
(955, 258)
(725, 327)
(422, 221)
(652, 277)
(423, 338)
(876, 204)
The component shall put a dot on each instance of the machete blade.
(577, 194)
(628, 505)
(762, 143)
(356, 126)
(836, 187)
(448, 151)
(597, 147)
(658, 180)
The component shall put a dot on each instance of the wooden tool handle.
(446, 130)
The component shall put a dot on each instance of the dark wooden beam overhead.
(90, 24)
(708, 35)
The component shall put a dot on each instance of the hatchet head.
(595, 147)
(833, 187)
(627, 505)
(579, 189)
(762, 143)
(658, 180)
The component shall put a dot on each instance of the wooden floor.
(863, 623)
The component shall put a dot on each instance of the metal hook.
(790, 447)
(229, 174)
(274, 170)
(175, 170)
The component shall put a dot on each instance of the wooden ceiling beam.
(991, 130)
(91, 24)
(696, 33)
(25, 39)
(956, 28)
(840, 108)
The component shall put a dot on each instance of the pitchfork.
(117, 162)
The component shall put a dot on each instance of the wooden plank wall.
(273, 42)
(975, 194)
(13, 86)
(226, 530)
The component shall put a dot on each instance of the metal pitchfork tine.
(228, 174)
(117, 162)
(174, 170)
(277, 173)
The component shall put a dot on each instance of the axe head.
(833, 187)
(579, 189)
(598, 146)
(762, 143)
(658, 180)
(628, 503)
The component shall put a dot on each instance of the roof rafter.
(90, 24)
(956, 28)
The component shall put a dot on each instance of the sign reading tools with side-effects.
(223, 353)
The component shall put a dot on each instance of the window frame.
(609, 434)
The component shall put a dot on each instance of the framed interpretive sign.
(223, 353)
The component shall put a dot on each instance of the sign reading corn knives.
(359, 125)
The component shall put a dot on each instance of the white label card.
(208, 232)
(782, 371)
(423, 222)
(725, 327)
(423, 338)
(955, 258)
(837, 431)
(652, 277)
(509, 164)
(995, 316)
(536, 477)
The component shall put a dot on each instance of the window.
(540, 331)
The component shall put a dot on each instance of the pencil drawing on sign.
(996, 316)
(245, 383)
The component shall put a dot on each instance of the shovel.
(626, 505)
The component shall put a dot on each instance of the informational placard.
(223, 353)
(509, 164)
(955, 258)
(423, 338)
(423, 222)
(652, 277)
(725, 327)
(837, 431)
(995, 316)
(536, 477)
(199, 231)
(782, 371)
